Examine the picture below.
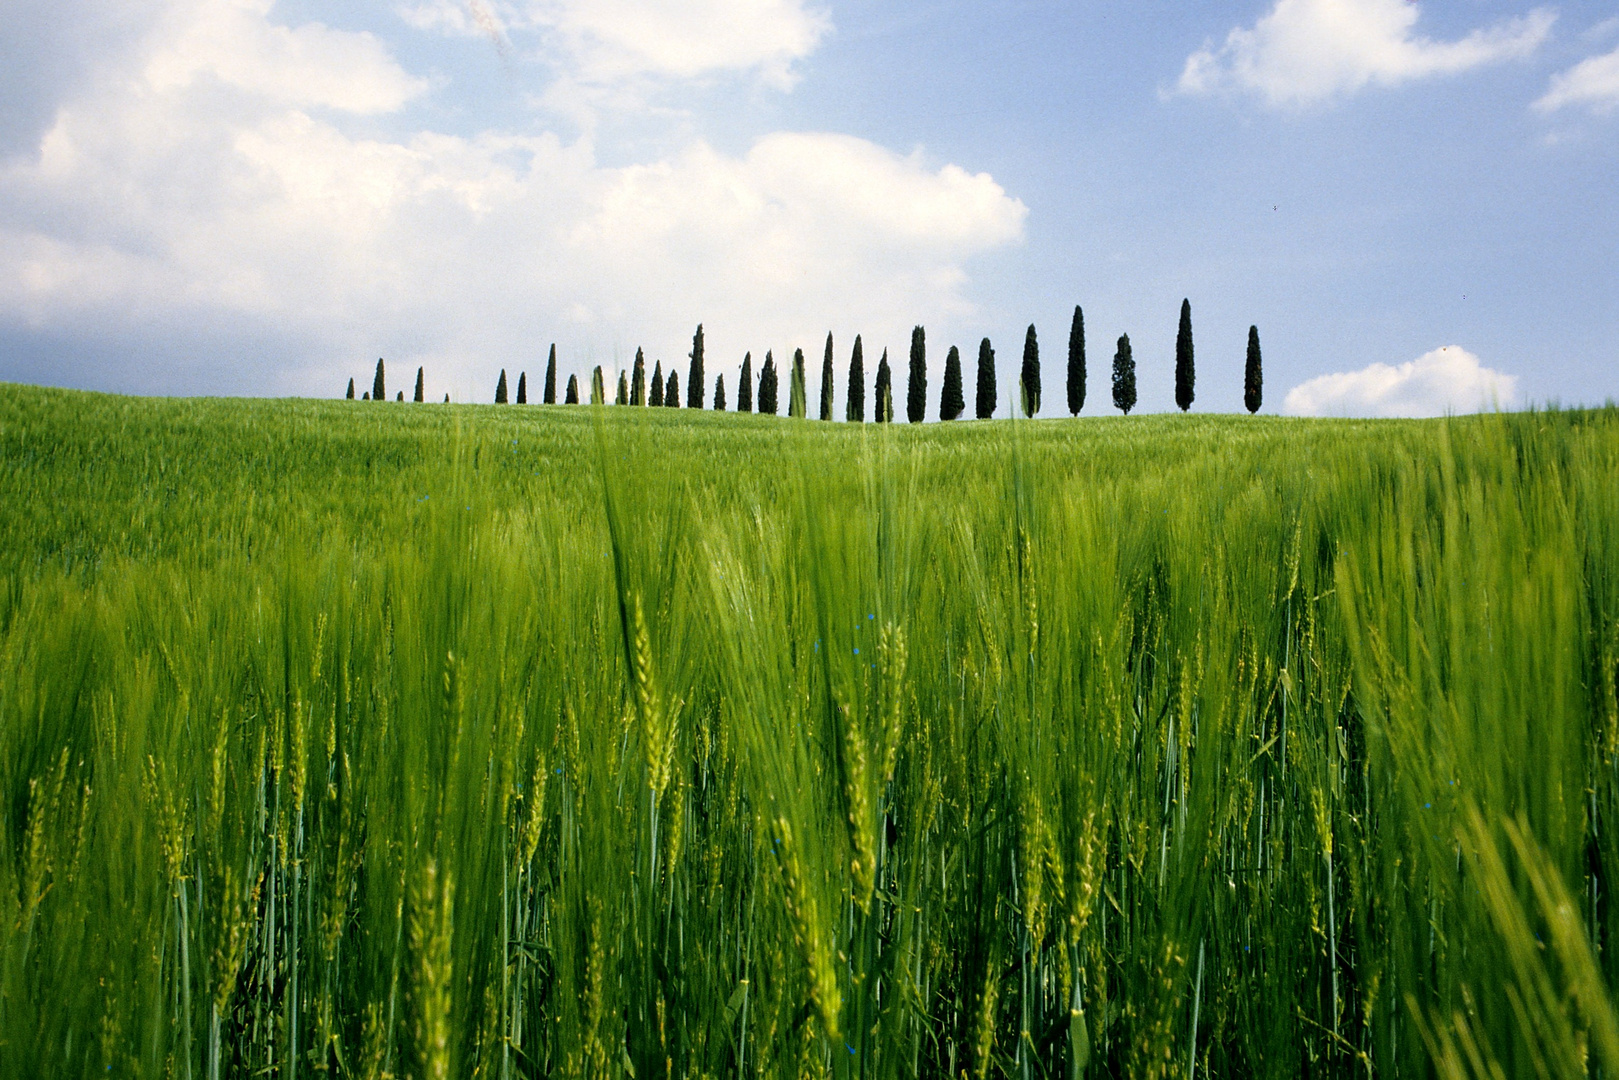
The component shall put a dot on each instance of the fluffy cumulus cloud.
(220, 178)
(1592, 83)
(1447, 380)
(1308, 51)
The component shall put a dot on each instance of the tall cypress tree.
(522, 388)
(883, 391)
(573, 391)
(1124, 377)
(378, 391)
(419, 386)
(855, 408)
(671, 391)
(916, 387)
(1185, 375)
(719, 392)
(744, 388)
(985, 405)
(351, 390)
(694, 381)
(500, 388)
(1029, 379)
(951, 402)
(656, 397)
(638, 380)
(1253, 375)
(623, 397)
(796, 391)
(826, 380)
(551, 377)
(598, 391)
(767, 385)
(1076, 363)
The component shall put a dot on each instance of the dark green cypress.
(744, 389)
(366, 396)
(500, 388)
(401, 396)
(623, 397)
(551, 377)
(378, 392)
(1076, 363)
(694, 381)
(1253, 376)
(855, 409)
(638, 380)
(419, 384)
(826, 380)
(446, 399)
(522, 388)
(656, 397)
(1185, 374)
(916, 386)
(767, 385)
(351, 390)
(1124, 377)
(1029, 378)
(951, 402)
(573, 391)
(883, 391)
(598, 392)
(797, 403)
(985, 405)
(671, 391)
(719, 392)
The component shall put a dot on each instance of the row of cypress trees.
(666, 392)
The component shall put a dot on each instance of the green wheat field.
(377, 740)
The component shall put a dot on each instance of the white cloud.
(1593, 83)
(1308, 51)
(1447, 380)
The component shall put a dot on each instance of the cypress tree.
(985, 405)
(719, 392)
(884, 392)
(916, 388)
(951, 402)
(401, 396)
(351, 390)
(623, 397)
(1029, 378)
(1185, 375)
(796, 393)
(446, 399)
(826, 380)
(598, 392)
(500, 388)
(573, 391)
(638, 380)
(671, 391)
(855, 409)
(767, 385)
(744, 389)
(551, 377)
(522, 388)
(378, 392)
(656, 397)
(1124, 377)
(1253, 376)
(1076, 363)
(366, 396)
(419, 386)
(694, 381)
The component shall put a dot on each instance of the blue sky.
(1414, 201)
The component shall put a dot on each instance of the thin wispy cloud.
(1592, 84)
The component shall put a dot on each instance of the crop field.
(391, 740)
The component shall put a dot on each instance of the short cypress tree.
(522, 388)
(598, 391)
(916, 387)
(366, 396)
(446, 399)
(744, 389)
(1076, 363)
(671, 391)
(694, 381)
(500, 388)
(826, 380)
(401, 396)
(951, 402)
(656, 397)
(419, 384)
(623, 397)
(1185, 375)
(796, 392)
(1124, 377)
(573, 391)
(855, 408)
(378, 391)
(638, 380)
(1029, 378)
(767, 385)
(1253, 375)
(351, 390)
(883, 391)
(984, 407)
(551, 377)
(719, 392)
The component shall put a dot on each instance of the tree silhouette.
(1253, 376)
(378, 391)
(522, 388)
(951, 402)
(638, 380)
(1185, 375)
(1124, 377)
(767, 385)
(656, 397)
(883, 391)
(985, 404)
(719, 392)
(916, 387)
(500, 388)
(826, 380)
(573, 391)
(694, 379)
(854, 409)
(1029, 378)
(1076, 363)
(744, 389)
(551, 377)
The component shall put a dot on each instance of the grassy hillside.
(420, 740)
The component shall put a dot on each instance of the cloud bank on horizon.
(1445, 381)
